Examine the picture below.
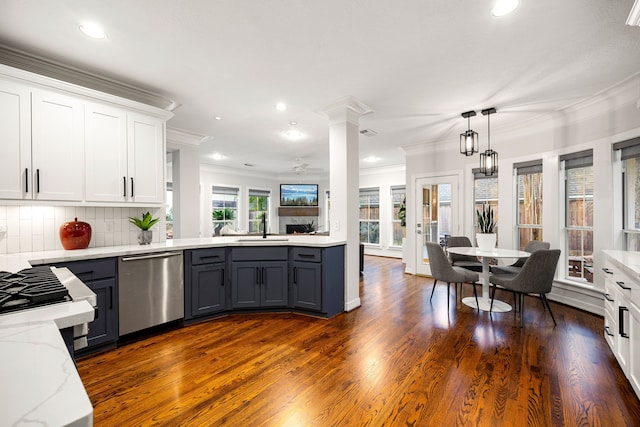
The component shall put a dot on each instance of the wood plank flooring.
(399, 360)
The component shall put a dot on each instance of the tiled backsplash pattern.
(36, 228)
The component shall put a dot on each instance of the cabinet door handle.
(131, 186)
(258, 275)
(621, 284)
(26, 180)
(306, 255)
(110, 298)
(210, 257)
(124, 186)
(262, 275)
(608, 298)
(607, 331)
(621, 311)
(606, 270)
(222, 270)
(37, 180)
(295, 275)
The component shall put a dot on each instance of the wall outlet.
(336, 225)
(108, 226)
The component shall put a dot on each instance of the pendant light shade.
(488, 159)
(468, 139)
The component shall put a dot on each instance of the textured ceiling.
(417, 63)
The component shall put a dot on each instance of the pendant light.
(468, 139)
(488, 159)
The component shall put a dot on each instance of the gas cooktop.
(31, 287)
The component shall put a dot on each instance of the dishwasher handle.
(151, 256)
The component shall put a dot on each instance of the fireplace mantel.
(298, 211)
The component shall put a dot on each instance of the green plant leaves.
(144, 223)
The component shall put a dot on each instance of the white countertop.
(40, 383)
(628, 261)
(17, 262)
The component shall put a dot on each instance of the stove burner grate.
(30, 287)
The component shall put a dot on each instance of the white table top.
(493, 253)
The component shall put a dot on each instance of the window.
(169, 214)
(630, 156)
(485, 192)
(578, 178)
(224, 208)
(370, 215)
(398, 207)
(529, 201)
(258, 208)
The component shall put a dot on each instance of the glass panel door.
(437, 216)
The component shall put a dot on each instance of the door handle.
(608, 298)
(124, 186)
(37, 180)
(131, 186)
(295, 275)
(607, 331)
(26, 180)
(621, 311)
(621, 284)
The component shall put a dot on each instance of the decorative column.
(344, 115)
(186, 182)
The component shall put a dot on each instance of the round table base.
(485, 303)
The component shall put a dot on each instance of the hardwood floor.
(399, 360)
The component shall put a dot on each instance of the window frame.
(229, 191)
(521, 169)
(568, 162)
(257, 221)
(369, 192)
(629, 149)
(397, 190)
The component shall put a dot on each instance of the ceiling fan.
(301, 167)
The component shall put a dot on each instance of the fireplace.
(296, 228)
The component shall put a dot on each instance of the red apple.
(75, 234)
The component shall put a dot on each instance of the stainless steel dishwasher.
(150, 290)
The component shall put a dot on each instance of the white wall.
(610, 117)
(384, 178)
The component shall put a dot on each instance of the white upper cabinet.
(15, 141)
(106, 173)
(146, 158)
(57, 145)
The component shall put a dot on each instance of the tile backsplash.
(36, 228)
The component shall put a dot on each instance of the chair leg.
(522, 310)
(544, 307)
(434, 288)
(515, 303)
(448, 287)
(546, 301)
(475, 294)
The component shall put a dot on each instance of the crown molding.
(634, 15)
(65, 73)
(185, 137)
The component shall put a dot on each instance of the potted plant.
(486, 236)
(144, 224)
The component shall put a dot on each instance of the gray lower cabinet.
(317, 279)
(259, 277)
(205, 282)
(100, 275)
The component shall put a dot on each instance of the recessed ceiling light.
(292, 123)
(504, 7)
(217, 156)
(371, 159)
(293, 134)
(281, 106)
(218, 118)
(92, 30)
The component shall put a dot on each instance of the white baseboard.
(352, 305)
(574, 296)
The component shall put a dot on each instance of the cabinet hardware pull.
(37, 180)
(124, 186)
(151, 256)
(608, 298)
(222, 277)
(258, 275)
(621, 284)
(607, 331)
(110, 298)
(96, 315)
(295, 275)
(306, 255)
(26, 180)
(621, 311)
(606, 270)
(131, 186)
(210, 257)
(262, 274)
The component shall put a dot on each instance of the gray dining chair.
(465, 261)
(535, 277)
(531, 247)
(443, 271)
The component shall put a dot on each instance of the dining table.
(484, 302)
